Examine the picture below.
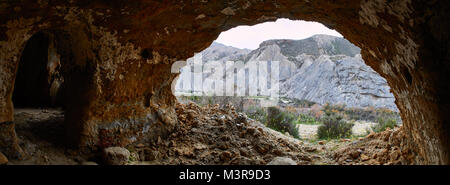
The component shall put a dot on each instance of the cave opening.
(327, 94)
(399, 39)
(39, 81)
(38, 95)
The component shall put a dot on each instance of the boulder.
(282, 161)
(3, 159)
(116, 156)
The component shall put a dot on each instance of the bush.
(303, 103)
(282, 121)
(371, 114)
(383, 124)
(334, 127)
(306, 119)
(257, 113)
(329, 109)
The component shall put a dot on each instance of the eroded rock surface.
(116, 59)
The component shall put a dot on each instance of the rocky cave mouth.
(336, 51)
(115, 67)
(39, 115)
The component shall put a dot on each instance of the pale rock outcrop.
(322, 69)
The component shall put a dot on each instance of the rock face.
(116, 59)
(322, 69)
(334, 72)
(340, 80)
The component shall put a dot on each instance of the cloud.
(251, 36)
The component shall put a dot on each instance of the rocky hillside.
(220, 52)
(322, 69)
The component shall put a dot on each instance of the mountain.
(322, 69)
(220, 52)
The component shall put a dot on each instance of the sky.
(250, 37)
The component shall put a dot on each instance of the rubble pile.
(215, 135)
(390, 147)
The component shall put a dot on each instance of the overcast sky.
(251, 36)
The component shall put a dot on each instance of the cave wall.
(118, 56)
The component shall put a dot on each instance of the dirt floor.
(208, 135)
(41, 136)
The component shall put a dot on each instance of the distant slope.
(220, 52)
(322, 68)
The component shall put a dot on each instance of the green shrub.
(383, 124)
(210, 100)
(371, 114)
(282, 121)
(257, 113)
(334, 127)
(303, 103)
(306, 119)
